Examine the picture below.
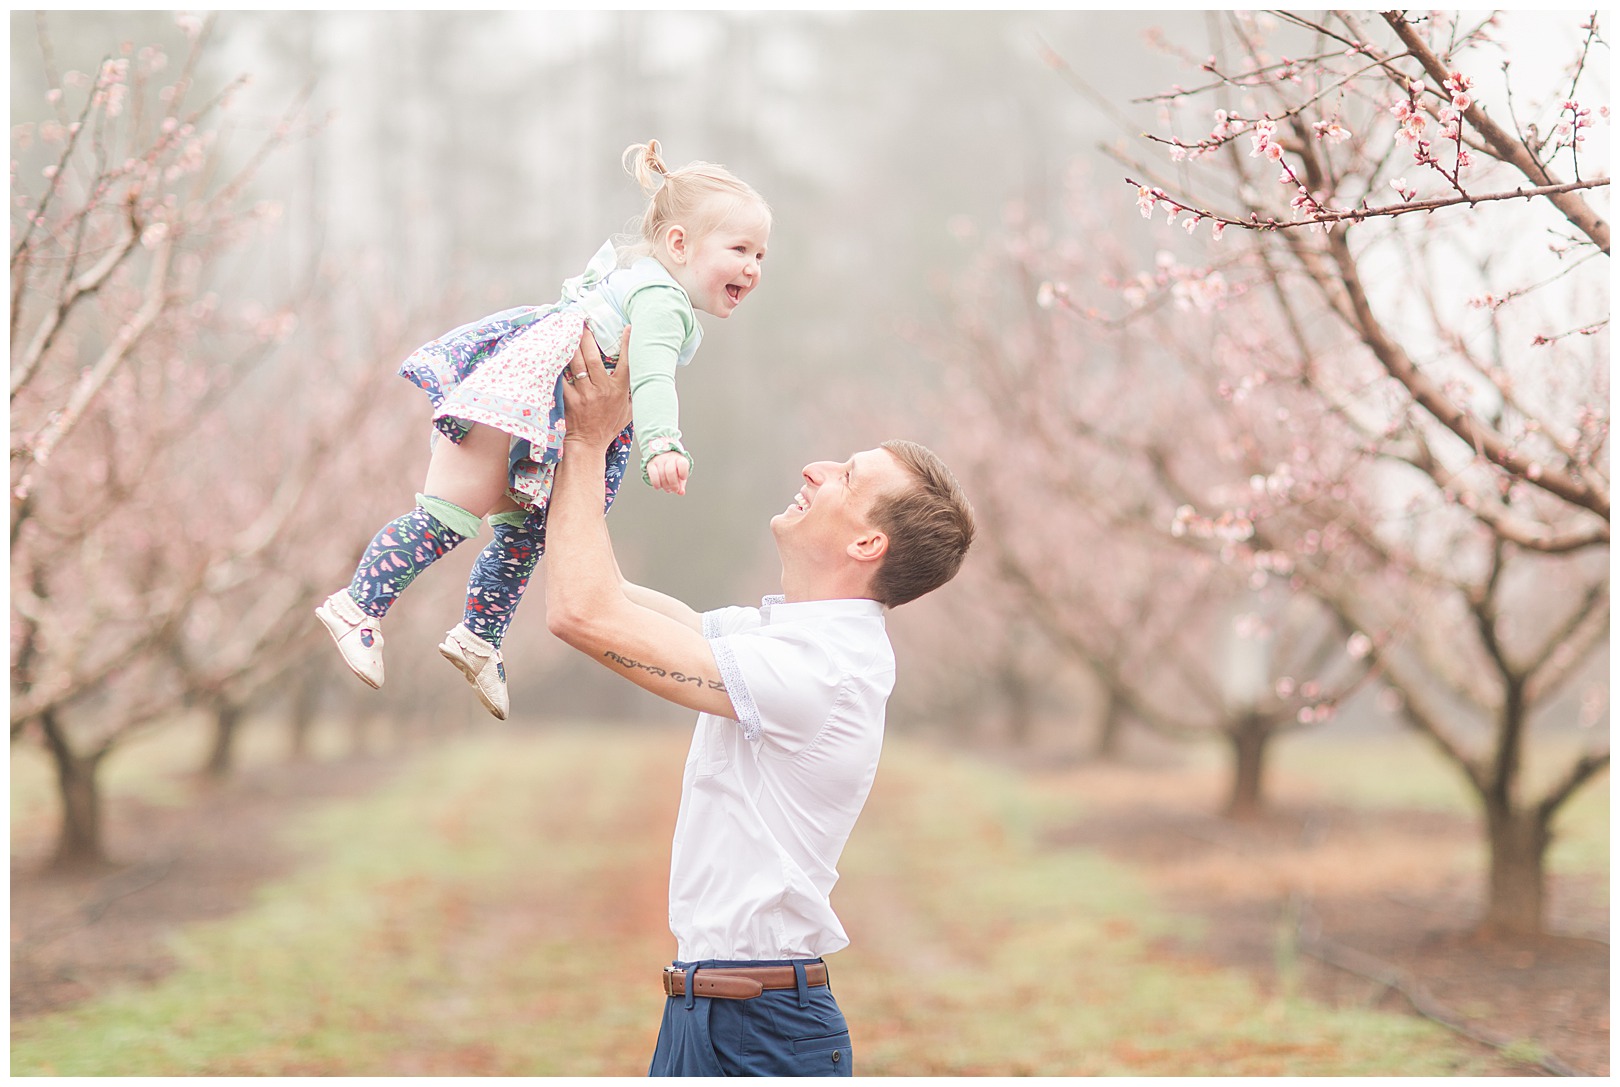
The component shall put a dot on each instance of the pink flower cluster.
(1149, 198)
(1414, 125)
(1568, 131)
(1265, 143)
(1331, 130)
(1412, 119)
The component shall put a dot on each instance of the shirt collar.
(775, 609)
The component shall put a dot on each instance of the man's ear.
(870, 547)
(675, 242)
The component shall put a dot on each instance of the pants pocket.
(813, 1041)
(824, 1055)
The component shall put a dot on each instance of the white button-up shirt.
(768, 800)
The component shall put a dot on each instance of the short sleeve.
(729, 621)
(782, 681)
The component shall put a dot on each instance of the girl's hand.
(668, 472)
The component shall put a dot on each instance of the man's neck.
(843, 586)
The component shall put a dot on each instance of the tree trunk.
(1019, 701)
(79, 845)
(1518, 843)
(1110, 730)
(306, 700)
(1248, 736)
(222, 754)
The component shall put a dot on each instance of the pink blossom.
(1217, 230)
(1261, 138)
(1145, 199)
(1332, 131)
(1358, 646)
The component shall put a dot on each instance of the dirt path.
(1318, 880)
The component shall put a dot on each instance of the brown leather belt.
(740, 982)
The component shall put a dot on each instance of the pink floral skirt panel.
(517, 389)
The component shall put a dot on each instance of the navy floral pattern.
(501, 573)
(520, 394)
(401, 550)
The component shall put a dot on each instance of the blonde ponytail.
(645, 163)
(699, 196)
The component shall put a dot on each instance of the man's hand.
(668, 472)
(596, 402)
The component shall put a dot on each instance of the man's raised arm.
(650, 639)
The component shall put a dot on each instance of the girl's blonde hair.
(700, 196)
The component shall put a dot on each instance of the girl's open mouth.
(734, 291)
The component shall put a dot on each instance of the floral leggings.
(411, 543)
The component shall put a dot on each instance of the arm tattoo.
(678, 677)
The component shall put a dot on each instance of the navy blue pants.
(781, 1032)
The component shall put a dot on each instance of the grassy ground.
(498, 909)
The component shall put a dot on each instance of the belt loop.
(804, 984)
(690, 988)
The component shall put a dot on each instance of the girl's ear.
(675, 242)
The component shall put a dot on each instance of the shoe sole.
(333, 625)
(449, 653)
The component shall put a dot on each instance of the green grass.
(498, 909)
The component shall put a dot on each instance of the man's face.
(831, 509)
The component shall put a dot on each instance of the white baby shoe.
(358, 635)
(481, 663)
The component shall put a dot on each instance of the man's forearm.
(590, 607)
(587, 604)
(580, 550)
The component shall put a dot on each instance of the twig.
(1354, 215)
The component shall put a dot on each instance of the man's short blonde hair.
(929, 525)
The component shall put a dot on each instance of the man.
(791, 697)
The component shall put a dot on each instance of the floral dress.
(506, 369)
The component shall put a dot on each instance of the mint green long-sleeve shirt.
(664, 335)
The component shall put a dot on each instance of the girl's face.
(720, 268)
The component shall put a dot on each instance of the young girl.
(497, 396)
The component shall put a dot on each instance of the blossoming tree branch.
(1378, 385)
